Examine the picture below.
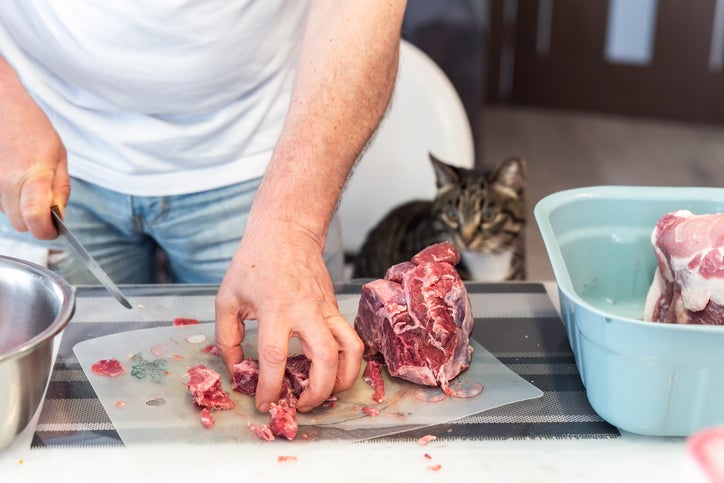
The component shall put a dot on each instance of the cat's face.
(481, 212)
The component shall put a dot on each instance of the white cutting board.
(143, 411)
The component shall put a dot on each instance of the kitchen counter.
(542, 448)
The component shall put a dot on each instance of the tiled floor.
(566, 150)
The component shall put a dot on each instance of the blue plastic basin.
(643, 377)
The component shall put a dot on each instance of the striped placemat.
(516, 322)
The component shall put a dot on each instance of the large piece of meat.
(418, 320)
(688, 286)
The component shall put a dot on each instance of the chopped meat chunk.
(206, 418)
(286, 458)
(245, 377)
(372, 375)
(179, 321)
(297, 372)
(211, 349)
(424, 440)
(283, 420)
(370, 411)
(262, 431)
(108, 367)
(283, 414)
(204, 384)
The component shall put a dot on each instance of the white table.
(628, 458)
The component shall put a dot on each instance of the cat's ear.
(511, 174)
(444, 173)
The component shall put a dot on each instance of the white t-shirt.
(162, 97)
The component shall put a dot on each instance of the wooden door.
(556, 54)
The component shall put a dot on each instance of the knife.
(86, 257)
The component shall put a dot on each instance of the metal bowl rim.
(67, 308)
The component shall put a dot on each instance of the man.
(161, 120)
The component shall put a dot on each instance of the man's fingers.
(350, 353)
(320, 345)
(230, 332)
(273, 345)
(322, 378)
(61, 181)
(35, 200)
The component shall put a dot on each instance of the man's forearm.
(10, 86)
(7, 75)
(343, 84)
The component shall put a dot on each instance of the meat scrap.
(418, 319)
(262, 431)
(283, 414)
(204, 384)
(179, 321)
(245, 376)
(424, 440)
(108, 367)
(688, 284)
(372, 375)
(205, 387)
(206, 418)
(370, 411)
(286, 458)
(283, 419)
(211, 349)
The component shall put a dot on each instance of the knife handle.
(56, 209)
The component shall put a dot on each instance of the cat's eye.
(452, 214)
(488, 214)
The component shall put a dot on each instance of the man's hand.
(278, 277)
(33, 161)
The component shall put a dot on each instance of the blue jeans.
(198, 233)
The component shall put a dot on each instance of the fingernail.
(264, 407)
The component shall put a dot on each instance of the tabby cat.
(482, 213)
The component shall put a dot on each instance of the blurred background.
(594, 92)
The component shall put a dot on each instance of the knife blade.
(87, 259)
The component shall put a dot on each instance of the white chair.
(425, 115)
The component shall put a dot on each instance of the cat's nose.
(467, 234)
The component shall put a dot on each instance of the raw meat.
(283, 414)
(108, 367)
(261, 432)
(206, 418)
(705, 452)
(204, 384)
(688, 285)
(179, 321)
(419, 319)
(426, 439)
(370, 411)
(372, 375)
(211, 349)
(297, 372)
(245, 376)
(286, 458)
(283, 419)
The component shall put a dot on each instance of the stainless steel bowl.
(35, 305)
